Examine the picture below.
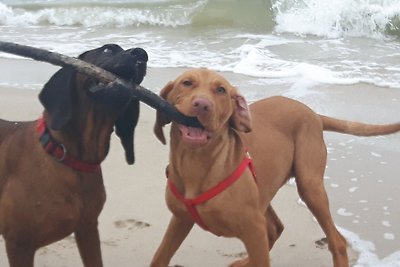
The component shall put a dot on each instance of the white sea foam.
(336, 18)
(344, 212)
(389, 236)
(261, 63)
(386, 223)
(376, 154)
(90, 15)
(353, 189)
(366, 250)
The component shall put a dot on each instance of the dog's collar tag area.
(191, 203)
(59, 151)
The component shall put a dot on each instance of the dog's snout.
(140, 54)
(201, 105)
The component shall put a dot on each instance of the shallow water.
(281, 41)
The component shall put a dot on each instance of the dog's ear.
(56, 97)
(161, 119)
(240, 119)
(125, 129)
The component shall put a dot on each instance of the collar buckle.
(64, 153)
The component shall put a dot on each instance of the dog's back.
(7, 128)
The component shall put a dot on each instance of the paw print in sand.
(131, 224)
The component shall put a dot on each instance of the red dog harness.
(59, 152)
(191, 204)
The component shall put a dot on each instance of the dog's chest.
(61, 206)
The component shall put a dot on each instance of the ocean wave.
(91, 14)
(170, 13)
(375, 18)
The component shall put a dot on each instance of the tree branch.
(104, 76)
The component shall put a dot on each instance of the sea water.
(334, 42)
(296, 44)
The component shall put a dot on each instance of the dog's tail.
(357, 128)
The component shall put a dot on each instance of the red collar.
(59, 152)
(212, 192)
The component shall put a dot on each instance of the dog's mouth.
(194, 136)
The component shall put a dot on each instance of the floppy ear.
(125, 129)
(56, 97)
(161, 119)
(240, 119)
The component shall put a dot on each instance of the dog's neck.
(196, 169)
(82, 139)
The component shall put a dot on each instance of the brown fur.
(285, 139)
(43, 200)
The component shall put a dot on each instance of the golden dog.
(211, 179)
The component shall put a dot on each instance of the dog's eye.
(221, 90)
(187, 83)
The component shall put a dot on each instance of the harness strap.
(59, 152)
(212, 192)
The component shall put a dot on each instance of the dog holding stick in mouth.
(51, 183)
(213, 181)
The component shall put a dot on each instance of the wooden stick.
(104, 76)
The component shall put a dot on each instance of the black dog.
(51, 183)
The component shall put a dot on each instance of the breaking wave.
(374, 18)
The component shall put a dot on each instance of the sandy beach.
(135, 215)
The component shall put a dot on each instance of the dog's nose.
(139, 53)
(201, 105)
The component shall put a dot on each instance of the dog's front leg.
(255, 238)
(177, 231)
(19, 255)
(88, 241)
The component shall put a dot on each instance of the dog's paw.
(240, 263)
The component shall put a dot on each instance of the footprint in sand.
(131, 224)
(322, 243)
(233, 255)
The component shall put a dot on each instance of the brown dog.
(208, 179)
(51, 183)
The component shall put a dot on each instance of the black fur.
(60, 94)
